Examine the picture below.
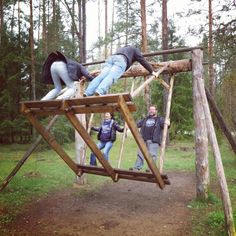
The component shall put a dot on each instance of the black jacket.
(132, 54)
(75, 70)
(157, 131)
(115, 127)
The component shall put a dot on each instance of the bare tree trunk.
(201, 141)
(164, 47)
(1, 20)
(19, 28)
(31, 31)
(112, 25)
(80, 146)
(196, 56)
(99, 26)
(44, 34)
(84, 29)
(147, 94)
(106, 27)
(210, 51)
(126, 23)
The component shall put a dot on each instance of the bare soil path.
(126, 208)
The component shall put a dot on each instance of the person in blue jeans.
(114, 68)
(59, 70)
(106, 136)
(151, 131)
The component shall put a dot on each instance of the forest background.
(92, 30)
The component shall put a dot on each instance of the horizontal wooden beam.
(122, 174)
(173, 67)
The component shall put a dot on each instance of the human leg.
(116, 71)
(97, 80)
(93, 161)
(63, 73)
(153, 149)
(107, 149)
(56, 81)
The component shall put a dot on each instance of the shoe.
(97, 94)
(85, 95)
(135, 169)
(147, 170)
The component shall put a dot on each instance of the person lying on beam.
(59, 70)
(114, 68)
(151, 132)
(106, 136)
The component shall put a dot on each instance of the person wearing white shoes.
(114, 68)
(59, 70)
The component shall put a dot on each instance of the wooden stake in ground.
(225, 129)
(197, 59)
(201, 140)
(165, 129)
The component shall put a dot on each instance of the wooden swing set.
(123, 104)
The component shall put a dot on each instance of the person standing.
(114, 68)
(59, 70)
(151, 132)
(106, 136)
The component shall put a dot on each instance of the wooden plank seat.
(93, 104)
(122, 174)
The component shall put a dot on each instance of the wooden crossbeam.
(107, 103)
(133, 127)
(50, 140)
(88, 140)
(122, 174)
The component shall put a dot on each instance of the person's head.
(152, 110)
(107, 116)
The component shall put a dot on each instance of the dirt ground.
(126, 208)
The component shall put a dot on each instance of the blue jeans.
(59, 71)
(107, 147)
(152, 148)
(113, 69)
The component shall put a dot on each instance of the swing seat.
(108, 103)
(122, 174)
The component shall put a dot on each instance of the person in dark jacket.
(106, 136)
(59, 70)
(151, 131)
(114, 68)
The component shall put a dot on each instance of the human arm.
(85, 73)
(140, 58)
(118, 128)
(95, 129)
(140, 123)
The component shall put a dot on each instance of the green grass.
(45, 172)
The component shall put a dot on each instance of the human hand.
(167, 121)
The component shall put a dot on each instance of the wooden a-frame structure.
(122, 103)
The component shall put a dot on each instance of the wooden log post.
(80, 146)
(197, 60)
(201, 140)
(165, 129)
(225, 129)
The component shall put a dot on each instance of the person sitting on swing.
(59, 69)
(114, 68)
(106, 136)
(151, 132)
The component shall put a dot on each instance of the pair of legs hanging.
(59, 72)
(113, 69)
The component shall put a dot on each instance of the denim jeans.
(152, 148)
(59, 71)
(113, 69)
(107, 147)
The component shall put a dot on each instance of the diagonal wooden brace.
(88, 140)
(51, 141)
(133, 127)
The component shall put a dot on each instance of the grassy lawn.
(44, 172)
